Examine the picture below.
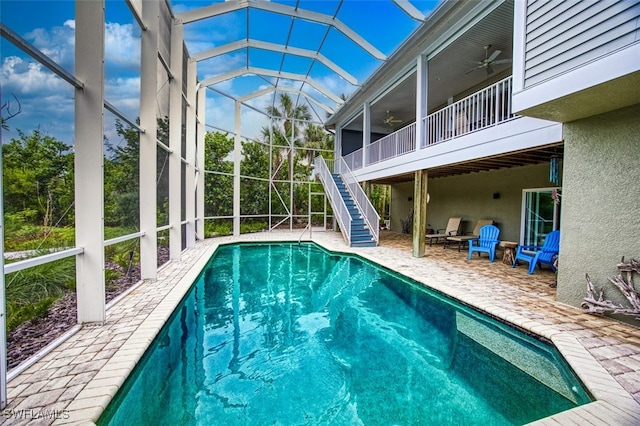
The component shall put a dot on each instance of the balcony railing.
(486, 108)
(371, 217)
(393, 145)
(340, 209)
(354, 160)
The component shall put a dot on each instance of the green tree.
(287, 131)
(38, 176)
(121, 183)
(254, 193)
(218, 191)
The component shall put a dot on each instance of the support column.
(237, 151)
(422, 72)
(200, 148)
(148, 140)
(3, 299)
(337, 148)
(292, 208)
(419, 212)
(190, 173)
(366, 186)
(366, 131)
(88, 151)
(175, 143)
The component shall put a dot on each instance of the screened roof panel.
(325, 48)
(296, 64)
(349, 55)
(268, 26)
(382, 23)
(327, 7)
(260, 58)
(307, 35)
(222, 64)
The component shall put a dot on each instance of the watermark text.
(31, 414)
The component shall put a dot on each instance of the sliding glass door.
(540, 214)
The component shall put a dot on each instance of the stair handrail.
(341, 212)
(370, 214)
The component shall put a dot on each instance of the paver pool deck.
(74, 382)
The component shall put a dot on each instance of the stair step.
(360, 232)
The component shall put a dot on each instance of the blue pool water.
(289, 334)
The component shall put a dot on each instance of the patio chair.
(463, 239)
(452, 229)
(486, 243)
(538, 255)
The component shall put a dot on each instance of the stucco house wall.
(401, 204)
(600, 203)
(471, 197)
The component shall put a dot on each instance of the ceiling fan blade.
(489, 69)
(502, 61)
(474, 68)
(494, 55)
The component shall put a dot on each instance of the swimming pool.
(292, 334)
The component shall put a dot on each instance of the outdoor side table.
(509, 251)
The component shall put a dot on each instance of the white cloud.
(121, 46)
(25, 77)
(124, 93)
(57, 43)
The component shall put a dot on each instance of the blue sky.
(47, 100)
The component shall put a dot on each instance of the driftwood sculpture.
(624, 282)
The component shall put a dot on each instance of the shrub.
(18, 314)
(31, 292)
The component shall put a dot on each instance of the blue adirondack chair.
(486, 243)
(537, 255)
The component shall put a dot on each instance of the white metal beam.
(307, 15)
(39, 56)
(274, 47)
(3, 299)
(237, 158)
(289, 90)
(88, 155)
(200, 113)
(422, 89)
(271, 73)
(175, 141)
(190, 156)
(134, 6)
(148, 145)
(409, 9)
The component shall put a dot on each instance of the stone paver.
(73, 383)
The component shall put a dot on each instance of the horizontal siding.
(563, 35)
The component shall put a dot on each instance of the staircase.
(361, 236)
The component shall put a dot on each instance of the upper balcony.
(445, 103)
(478, 126)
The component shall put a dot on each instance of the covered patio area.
(77, 379)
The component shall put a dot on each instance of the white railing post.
(485, 108)
(371, 217)
(341, 213)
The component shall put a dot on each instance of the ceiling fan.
(488, 61)
(391, 120)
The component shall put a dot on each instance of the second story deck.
(478, 127)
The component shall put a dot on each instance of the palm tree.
(290, 122)
(316, 139)
(287, 129)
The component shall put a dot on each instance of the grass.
(31, 292)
